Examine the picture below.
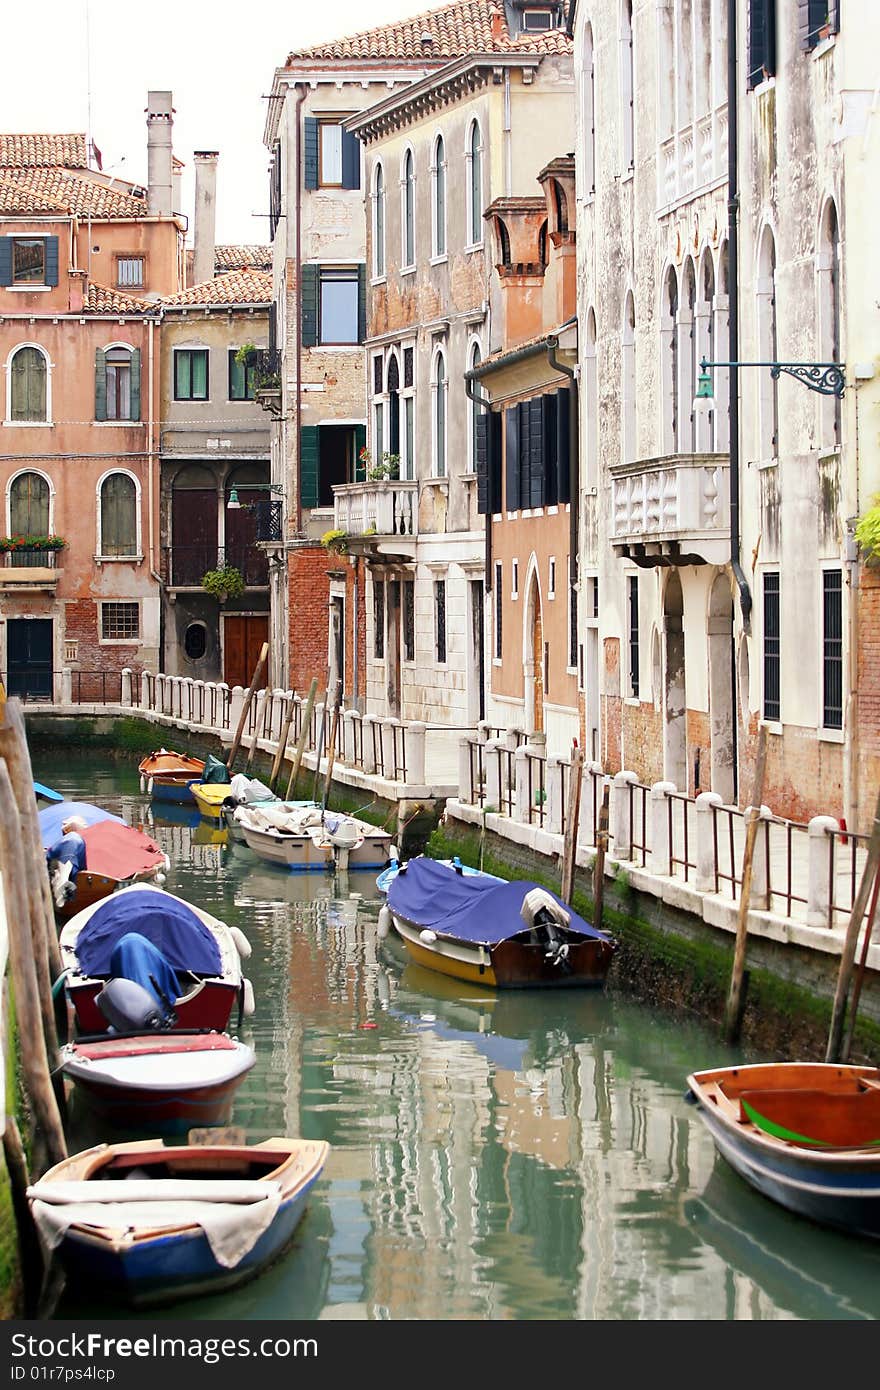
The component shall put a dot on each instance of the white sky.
(217, 57)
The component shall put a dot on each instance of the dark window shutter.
(310, 143)
(351, 160)
(309, 304)
(815, 15)
(51, 260)
(360, 442)
(493, 461)
(762, 40)
(309, 449)
(536, 452)
(100, 385)
(362, 303)
(512, 459)
(5, 260)
(273, 327)
(135, 387)
(524, 455)
(563, 444)
(551, 469)
(481, 462)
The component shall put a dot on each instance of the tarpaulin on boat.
(169, 924)
(135, 958)
(120, 851)
(51, 818)
(483, 911)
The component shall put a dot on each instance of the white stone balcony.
(374, 513)
(672, 510)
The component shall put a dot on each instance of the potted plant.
(246, 355)
(385, 468)
(335, 541)
(32, 543)
(223, 583)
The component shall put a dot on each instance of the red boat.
(204, 953)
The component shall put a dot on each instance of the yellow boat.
(209, 797)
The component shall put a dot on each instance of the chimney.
(497, 22)
(205, 163)
(160, 173)
(177, 179)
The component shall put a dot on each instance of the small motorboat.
(506, 935)
(250, 791)
(805, 1134)
(391, 870)
(103, 855)
(166, 775)
(148, 1224)
(202, 953)
(308, 838)
(209, 797)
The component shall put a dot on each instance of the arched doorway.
(534, 659)
(674, 698)
(721, 710)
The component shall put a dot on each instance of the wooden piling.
(599, 861)
(733, 1014)
(331, 749)
(848, 951)
(572, 817)
(860, 973)
(258, 671)
(303, 735)
(282, 743)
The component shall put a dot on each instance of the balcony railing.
(267, 379)
(268, 521)
(184, 565)
(29, 557)
(386, 508)
(667, 509)
(29, 569)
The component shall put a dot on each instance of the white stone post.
(416, 737)
(66, 686)
(492, 764)
(236, 701)
(314, 742)
(553, 778)
(388, 740)
(521, 781)
(198, 702)
(760, 894)
(223, 711)
(510, 738)
(145, 690)
(661, 848)
(188, 698)
(126, 686)
(347, 736)
(588, 826)
(483, 728)
(369, 745)
(619, 830)
(465, 793)
(820, 890)
(706, 867)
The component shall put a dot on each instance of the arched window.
(561, 206)
(408, 211)
(28, 396)
(504, 240)
(627, 89)
(439, 389)
(628, 381)
(688, 349)
(721, 343)
(768, 386)
(29, 505)
(588, 115)
(705, 336)
(438, 198)
(379, 221)
(669, 349)
(474, 359)
(117, 516)
(392, 387)
(543, 253)
(828, 267)
(474, 185)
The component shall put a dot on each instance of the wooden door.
(243, 638)
(29, 657)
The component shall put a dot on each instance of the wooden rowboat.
(166, 775)
(805, 1134)
(148, 1224)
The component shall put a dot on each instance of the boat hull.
(92, 887)
(176, 791)
(209, 1006)
(511, 964)
(209, 797)
(300, 853)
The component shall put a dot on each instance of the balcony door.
(193, 525)
(29, 657)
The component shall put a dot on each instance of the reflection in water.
(503, 1155)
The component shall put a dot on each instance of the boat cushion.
(233, 1213)
(169, 924)
(485, 912)
(154, 1044)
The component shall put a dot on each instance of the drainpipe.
(150, 501)
(302, 92)
(573, 452)
(485, 403)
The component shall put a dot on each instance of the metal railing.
(183, 566)
(46, 686)
(637, 810)
(847, 851)
(680, 843)
(725, 838)
(476, 772)
(536, 788)
(30, 557)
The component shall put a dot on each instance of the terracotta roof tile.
(241, 258)
(100, 300)
(41, 151)
(67, 191)
(246, 286)
(456, 31)
(18, 197)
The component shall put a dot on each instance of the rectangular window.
(594, 596)
(817, 19)
(572, 628)
(28, 261)
(499, 605)
(537, 19)
(440, 618)
(551, 578)
(120, 622)
(330, 154)
(191, 374)
(832, 649)
(771, 647)
(338, 307)
(409, 620)
(761, 41)
(379, 619)
(634, 635)
(409, 439)
(514, 579)
(130, 272)
(242, 379)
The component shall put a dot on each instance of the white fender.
(383, 926)
(143, 784)
(240, 941)
(428, 936)
(150, 787)
(249, 1005)
(159, 878)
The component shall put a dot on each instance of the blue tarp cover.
(482, 911)
(136, 958)
(46, 793)
(170, 925)
(52, 816)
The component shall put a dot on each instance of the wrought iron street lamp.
(828, 378)
(233, 504)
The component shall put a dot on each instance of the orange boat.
(166, 775)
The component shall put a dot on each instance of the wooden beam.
(733, 1014)
(258, 670)
(572, 817)
(848, 951)
(303, 735)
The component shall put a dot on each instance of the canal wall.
(671, 959)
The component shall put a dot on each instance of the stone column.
(126, 685)
(760, 894)
(553, 779)
(619, 814)
(369, 747)
(820, 890)
(416, 737)
(492, 763)
(705, 807)
(388, 744)
(521, 778)
(661, 849)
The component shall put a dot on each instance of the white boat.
(307, 839)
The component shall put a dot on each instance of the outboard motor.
(546, 917)
(129, 1008)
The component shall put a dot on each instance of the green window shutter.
(362, 303)
(135, 394)
(100, 385)
(51, 260)
(309, 451)
(351, 160)
(309, 303)
(310, 141)
(536, 452)
(5, 260)
(360, 442)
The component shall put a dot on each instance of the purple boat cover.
(168, 924)
(481, 911)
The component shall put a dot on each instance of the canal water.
(493, 1156)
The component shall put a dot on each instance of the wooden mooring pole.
(258, 671)
(848, 950)
(735, 998)
(303, 735)
(282, 744)
(572, 817)
(860, 973)
(331, 750)
(599, 861)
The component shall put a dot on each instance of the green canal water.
(494, 1156)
